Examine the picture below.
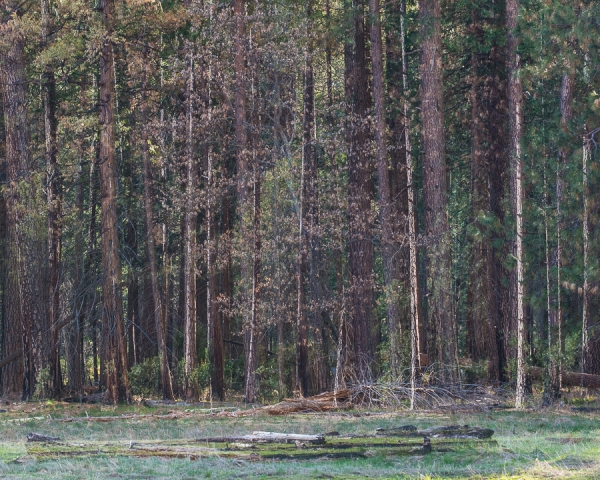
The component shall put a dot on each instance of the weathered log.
(38, 437)
(569, 379)
(404, 430)
(165, 403)
(451, 431)
(458, 431)
(267, 437)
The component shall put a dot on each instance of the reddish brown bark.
(113, 346)
(360, 194)
(54, 201)
(18, 377)
(443, 346)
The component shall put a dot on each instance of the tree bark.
(585, 340)
(417, 332)
(18, 377)
(215, 329)
(555, 312)
(189, 270)
(496, 125)
(479, 284)
(360, 193)
(515, 116)
(439, 276)
(251, 331)
(307, 213)
(54, 200)
(387, 221)
(160, 326)
(114, 348)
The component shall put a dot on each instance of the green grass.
(542, 444)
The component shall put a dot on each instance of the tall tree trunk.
(18, 376)
(244, 207)
(189, 272)
(555, 312)
(386, 210)
(215, 328)
(160, 326)
(114, 348)
(479, 281)
(496, 126)
(515, 116)
(417, 332)
(439, 276)
(360, 193)
(307, 207)
(585, 340)
(75, 363)
(251, 332)
(53, 196)
(590, 325)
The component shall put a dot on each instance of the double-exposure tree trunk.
(440, 311)
(18, 376)
(360, 194)
(386, 209)
(113, 335)
(497, 125)
(479, 278)
(215, 328)
(54, 200)
(307, 213)
(417, 331)
(515, 118)
(555, 311)
(245, 205)
(190, 355)
(160, 326)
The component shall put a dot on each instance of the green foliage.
(268, 381)
(144, 378)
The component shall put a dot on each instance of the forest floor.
(138, 442)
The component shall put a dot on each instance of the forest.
(267, 199)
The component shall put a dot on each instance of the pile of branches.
(324, 402)
(395, 396)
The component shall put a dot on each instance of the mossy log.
(240, 447)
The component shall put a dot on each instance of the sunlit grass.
(544, 444)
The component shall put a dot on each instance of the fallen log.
(569, 379)
(464, 432)
(403, 431)
(131, 416)
(337, 447)
(165, 403)
(458, 431)
(38, 437)
(267, 437)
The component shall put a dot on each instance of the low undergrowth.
(531, 444)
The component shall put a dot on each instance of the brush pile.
(393, 395)
(324, 402)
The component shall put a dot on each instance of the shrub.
(144, 378)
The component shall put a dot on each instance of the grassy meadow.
(528, 444)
